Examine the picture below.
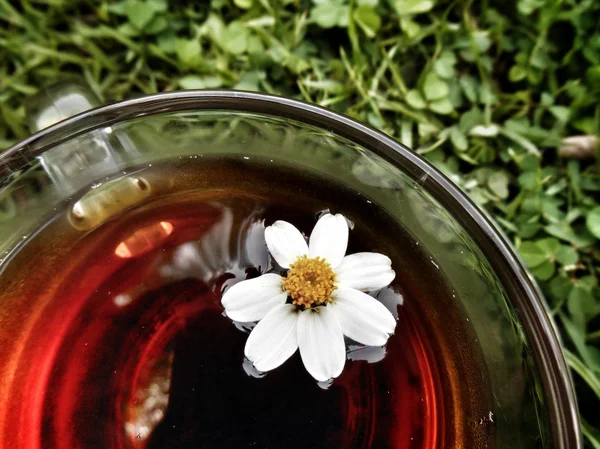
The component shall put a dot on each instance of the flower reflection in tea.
(321, 299)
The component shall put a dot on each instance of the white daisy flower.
(326, 289)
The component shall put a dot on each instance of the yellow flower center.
(310, 281)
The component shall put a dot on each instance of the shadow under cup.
(500, 377)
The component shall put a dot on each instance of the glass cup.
(533, 401)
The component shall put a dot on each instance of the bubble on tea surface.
(105, 201)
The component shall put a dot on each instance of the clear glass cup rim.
(521, 290)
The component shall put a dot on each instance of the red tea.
(113, 335)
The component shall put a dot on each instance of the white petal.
(329, 239)
(251, 300)
(285, 243)
(321, 343)
(274, 339)
(362, 317)
(364, 271)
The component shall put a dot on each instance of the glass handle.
(58, 102)
(72, 164)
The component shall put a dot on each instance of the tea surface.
(114, 336)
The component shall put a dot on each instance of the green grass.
(485, 90)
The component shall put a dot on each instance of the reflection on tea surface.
(116, 337)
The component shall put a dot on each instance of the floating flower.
(321, 299)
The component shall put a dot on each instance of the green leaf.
(528, 230)
(546, 99)
(368, 20)
(527, 7)
(444, 65)
(529, 162)
(415, 99)
(550, 246)
(577, 334)
(586, 373)
(528, 180)
(442, 106)
(243, 4)
(517, 73)
(482, 40)
(434, 87)
(557, 187)
(167, 41)
(591, 435)
(498, 183)
(214, 29)
(254, 45)
(327, 85)
(329, 13)
(458, 139)
(567, 255)
(426, 130)
(188, 51)
(479, 195)
(158, 24)
(250, 81)
(410, 27)
(594, 357)
(200, 82)
(487, 96)
(158, 5)
(574, 174)
(564, 231)
(560, 287)
(590, 183)
(581, 304)
(586, 125)
(470, 86)
(590, 282)
(470, 119)
(592, 222)
(413, 6)
(118, 8)
(560, 112)
(235, 38)
(520, 140)
(544, 271)
(138, 13)
(532, 254)
(539, 60)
